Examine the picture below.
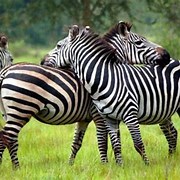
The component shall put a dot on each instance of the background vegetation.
(43, 23)
(33, 28)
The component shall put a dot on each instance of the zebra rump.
(52, 96)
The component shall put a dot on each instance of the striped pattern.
(5, 56)
(52, 96)
(136, 95)
(133, 48)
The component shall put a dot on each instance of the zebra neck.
(97, 75)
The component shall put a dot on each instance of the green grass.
(44, 151)
(26, 53)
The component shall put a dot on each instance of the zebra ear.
(86, 30)
(124, 28)
(73, 32)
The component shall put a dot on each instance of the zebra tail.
(2, 76)
(178, 111)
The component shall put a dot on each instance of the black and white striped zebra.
(114, 37)
(133, 48)
(6, 58)
(123, 92)
(52, 96)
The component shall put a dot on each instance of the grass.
(44, 151)
(27, 53)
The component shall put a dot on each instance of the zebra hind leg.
(134, 129)
(12, 146)
(2, 146)
(171, 135)
(9, 137)
(77, 140)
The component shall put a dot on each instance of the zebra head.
(5, 56)
(55, 57)
(61, 56)
(133, 48)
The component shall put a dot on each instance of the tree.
(169, 9)
(43, 21)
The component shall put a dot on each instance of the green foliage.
(44, 151)
(169, 9)
(38, 22)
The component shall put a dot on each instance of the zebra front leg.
(171, 135)
(101, 133)
(77, 140)
(102, 138)
(114, 133)
(134, 129)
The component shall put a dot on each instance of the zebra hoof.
(147, 162)
(119, 162)
(15, 167)
(104, 161)
(71, 162)
(171, 152)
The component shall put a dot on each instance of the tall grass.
(44, 151)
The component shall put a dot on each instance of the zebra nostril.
(164, 57)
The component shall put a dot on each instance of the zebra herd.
(101, 87)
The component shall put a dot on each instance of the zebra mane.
(102, 42)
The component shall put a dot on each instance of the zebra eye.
(58, 46)
(139, 42)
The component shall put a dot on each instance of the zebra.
(121, 91)
(52, 96)
(6, 57)
(118, 37)
(119, 28)
(133, 48)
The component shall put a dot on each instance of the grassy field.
(44, 151)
